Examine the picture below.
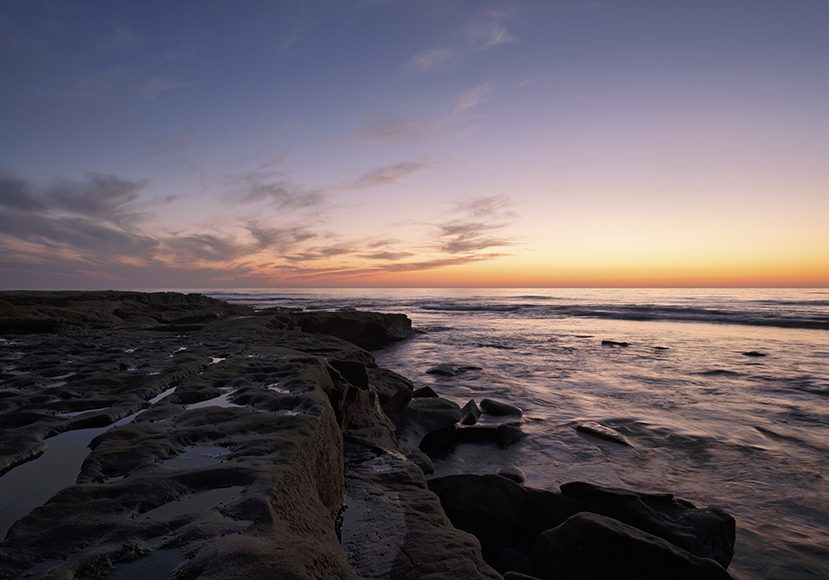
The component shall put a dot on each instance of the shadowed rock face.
(589, 546)
(258, 393)
(511, 520)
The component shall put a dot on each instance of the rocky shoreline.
(162, 434)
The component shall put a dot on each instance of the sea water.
(707, 422)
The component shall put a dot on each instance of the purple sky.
(219, 144)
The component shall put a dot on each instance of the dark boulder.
(492, 407)
(451, 370)
(470, 413)
(708, 533)
(754, 353)
(424, 416)
(590, 546)
(424, 392)
(368, 330)
(512, 472)
(444, 441)
(498, 510)
(394, 392)
(615, 343)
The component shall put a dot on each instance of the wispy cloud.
(432, 59)
(484, 31)
(479, 225)
(97, 228)
(283, 194)
(489, 30)
(203, 247)
(387, 255)
(282, 239)
(267, 184)
(388, 174)
(99, 196)
(473, 97)
(399, 129)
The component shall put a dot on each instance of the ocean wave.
(643, 312)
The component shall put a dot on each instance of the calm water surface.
(748, 434)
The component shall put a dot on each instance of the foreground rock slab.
(213, 440)
(394, 527)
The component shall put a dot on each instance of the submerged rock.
(492, 407)
(451, 370)
(589, 546)
(615, 343)
(754, 353)
(602, 432)
(443, 441)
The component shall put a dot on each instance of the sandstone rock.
(590, 546)
(492, 407)
(394, 527)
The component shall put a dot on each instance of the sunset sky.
(414, 143)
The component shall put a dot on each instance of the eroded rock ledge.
(169, 435)
(158, 434)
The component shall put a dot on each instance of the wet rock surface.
(602, 432)
(211, 449)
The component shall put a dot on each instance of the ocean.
(708, 422)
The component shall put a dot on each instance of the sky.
(374, 143)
